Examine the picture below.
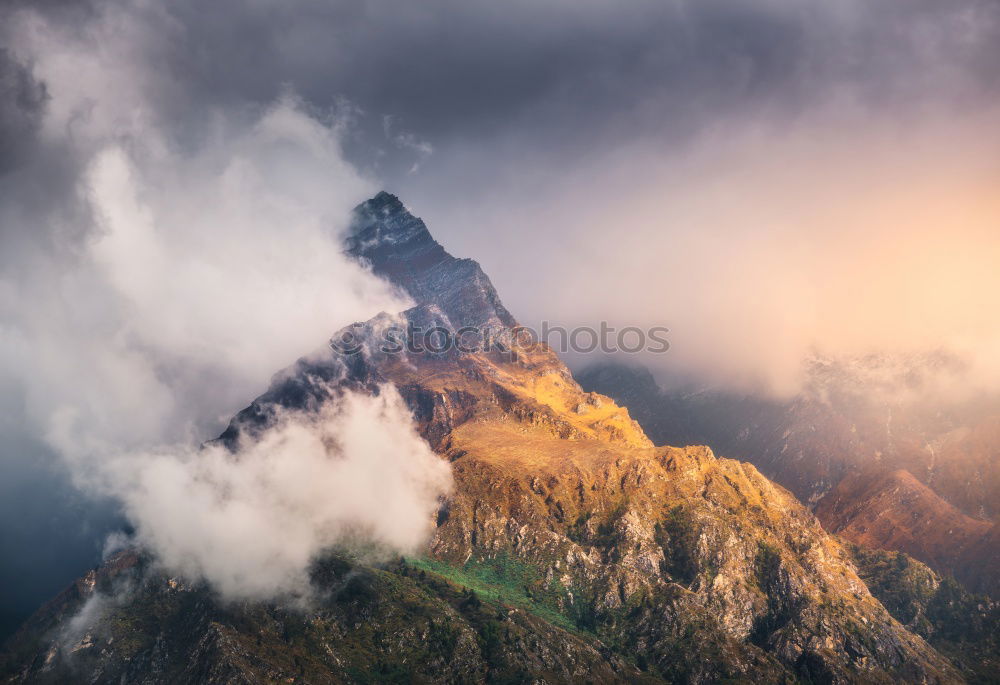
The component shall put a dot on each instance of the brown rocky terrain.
(873, 444)
(572, 549)
(895, 511)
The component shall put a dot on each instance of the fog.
(759, 246)
(254, 520)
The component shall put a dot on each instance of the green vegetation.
(768, 564)
(678, 534)
(505, 580)
(962, 626)
(578, 531)
(904, 586)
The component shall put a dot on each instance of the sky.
(765, 179)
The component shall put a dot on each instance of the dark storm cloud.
(21, 101)
(557, 73)
(549, 75)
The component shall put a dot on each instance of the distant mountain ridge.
(895, 511)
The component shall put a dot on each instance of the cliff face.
(572, 548)
(884, 460)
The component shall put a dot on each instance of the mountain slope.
(857, 435)
(618, 559)
(372, 625)
(963, 626)
(895, 511)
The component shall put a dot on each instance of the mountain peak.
(398, 247)
(383, 225)
(384, 197)
(383, 204)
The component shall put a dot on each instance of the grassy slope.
(505, 580)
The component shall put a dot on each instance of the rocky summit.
(572, 549)
(399, 247)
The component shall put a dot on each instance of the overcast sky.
(764, 178)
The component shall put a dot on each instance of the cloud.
(157, 270)
(533, 82)
(254, 520)
(24, 98)
(198, 275)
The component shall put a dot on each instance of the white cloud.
(251, 522)
(177, 264)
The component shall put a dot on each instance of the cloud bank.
(840, 234)
(253, 520)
